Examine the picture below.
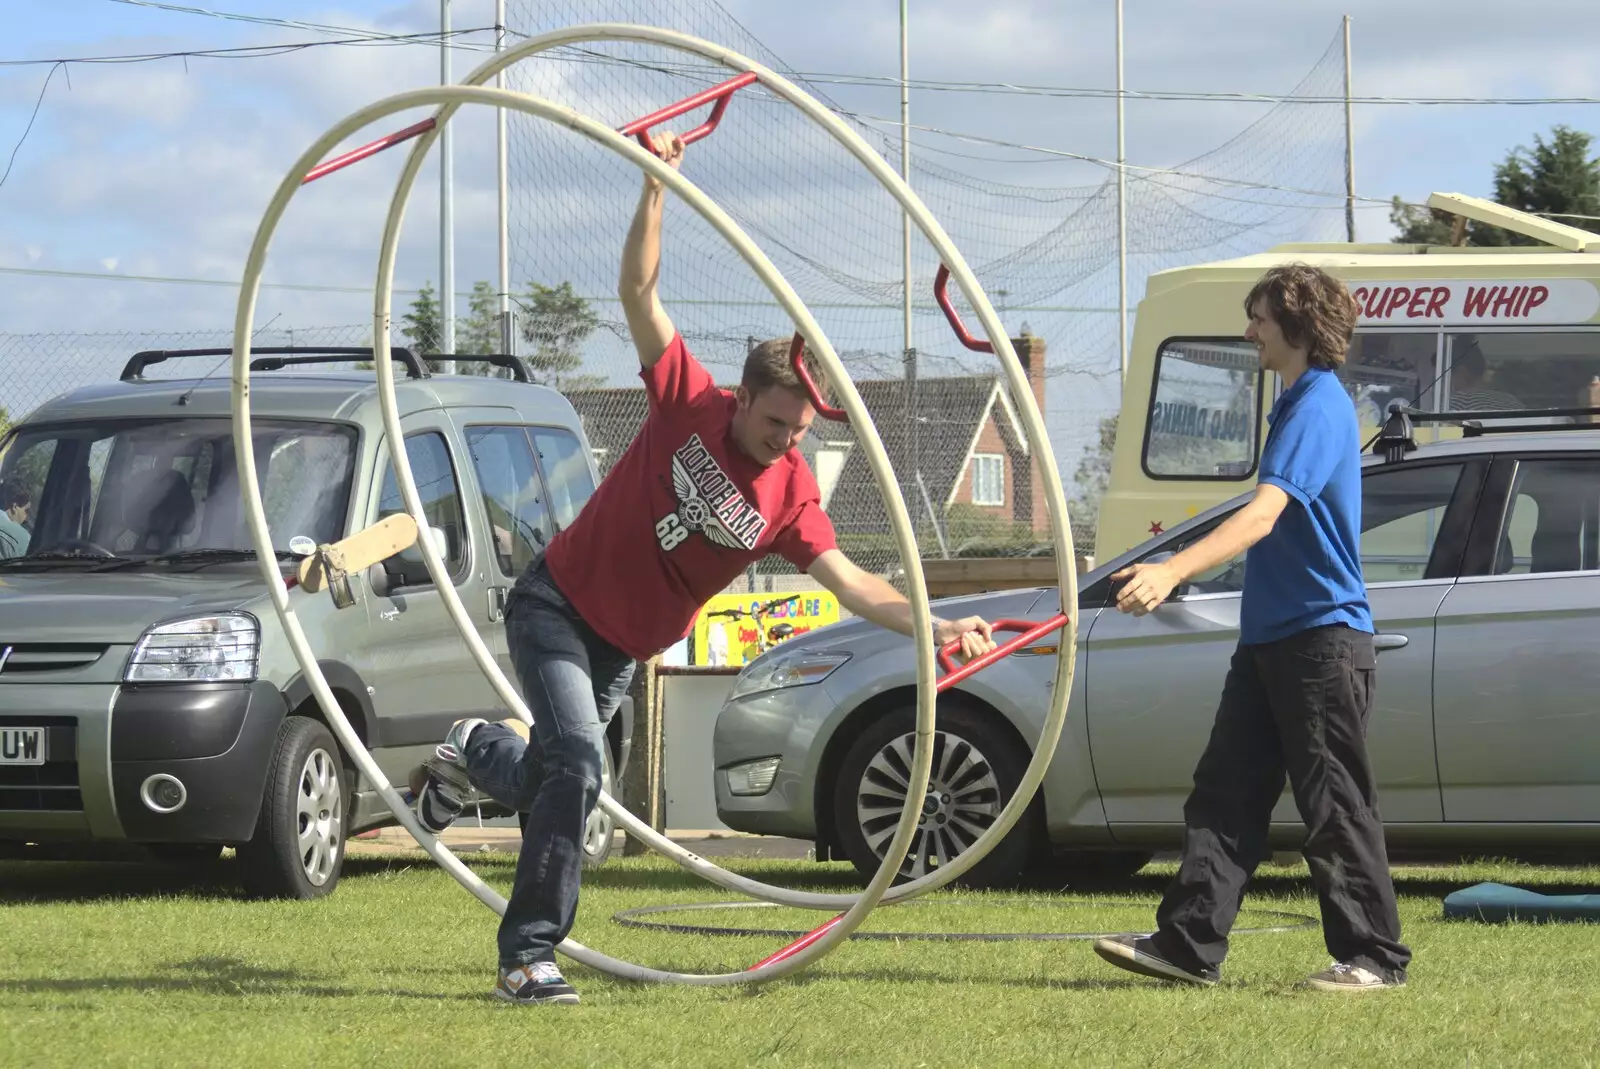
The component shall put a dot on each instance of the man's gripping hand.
(977, 638)
(669, 146)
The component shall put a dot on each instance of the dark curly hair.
(1313, 309)
(13, 494)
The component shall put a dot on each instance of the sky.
(164, 168)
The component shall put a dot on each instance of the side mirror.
(406, 568)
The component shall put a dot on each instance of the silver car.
(148, 695)
(1482, 561)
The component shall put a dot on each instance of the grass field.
(106, 964)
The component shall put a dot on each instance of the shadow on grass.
(220, 976)
(43, 882)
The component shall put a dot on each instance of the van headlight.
(204, 649)
(793, 670)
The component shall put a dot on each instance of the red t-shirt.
(681, 515)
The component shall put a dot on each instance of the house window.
(988, 479)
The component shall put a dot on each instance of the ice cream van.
(1448, 328)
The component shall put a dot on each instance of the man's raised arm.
(641, 263)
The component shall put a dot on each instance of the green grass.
(106, 964)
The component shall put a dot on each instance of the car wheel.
(600, 832)
(601, 829)
(298, 847)
(976, 768)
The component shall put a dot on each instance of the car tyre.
(297, 850)
(977, 763)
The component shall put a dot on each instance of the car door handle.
(1389, 642)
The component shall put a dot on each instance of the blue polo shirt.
(1307, 571)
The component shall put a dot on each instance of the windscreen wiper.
(200, 555)
(55, 557)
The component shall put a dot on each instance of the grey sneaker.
(1137, 953)
(1343, 976)
(440, 784)
(536, 984)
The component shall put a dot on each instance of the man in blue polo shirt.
(1300, 686)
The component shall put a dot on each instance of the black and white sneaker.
(1137, 953)
(537, 984)
(440, 784)
(1346, 976)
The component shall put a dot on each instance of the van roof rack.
(282, 356)
(517, 366)
(1397, 438)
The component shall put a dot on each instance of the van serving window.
(1205, 411)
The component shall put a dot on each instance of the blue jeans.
(573, 680)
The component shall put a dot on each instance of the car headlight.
(205, 649)
(793, 670)
(752, 777)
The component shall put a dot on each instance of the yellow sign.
(727, 630)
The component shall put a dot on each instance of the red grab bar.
(797, 350)
(639, 129)
(941, 284)
(1031, 632)
(370, 149)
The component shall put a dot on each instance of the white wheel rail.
(449, 99)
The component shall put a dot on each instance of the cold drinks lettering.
(1192, 421)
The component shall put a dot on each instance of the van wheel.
(298, 847)
(976, 768)
(600, 831)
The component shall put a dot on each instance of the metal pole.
(508, 340)
(905, 163)
(1349, 146)
(1122, 214)
(447, 249)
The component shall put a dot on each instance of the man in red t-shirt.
(711, 484)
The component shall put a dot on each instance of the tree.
(424, 326)
(479, 333)
(5, 420)
(1093, 476)
(556, 322)
(1556, 177)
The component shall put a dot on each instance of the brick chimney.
(1027, 476)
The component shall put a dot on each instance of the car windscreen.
(137, 489)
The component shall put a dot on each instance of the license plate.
(21, 746)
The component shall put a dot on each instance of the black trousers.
(1299, 705)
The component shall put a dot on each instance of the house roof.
(928, 425)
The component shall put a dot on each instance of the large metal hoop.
(451, 98)
(1021, 389)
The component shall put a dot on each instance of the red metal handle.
(797, 350)
(941, 284)
(639, 129)
(370, 149)
(1031, 632)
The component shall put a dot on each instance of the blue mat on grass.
(1496, 902)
